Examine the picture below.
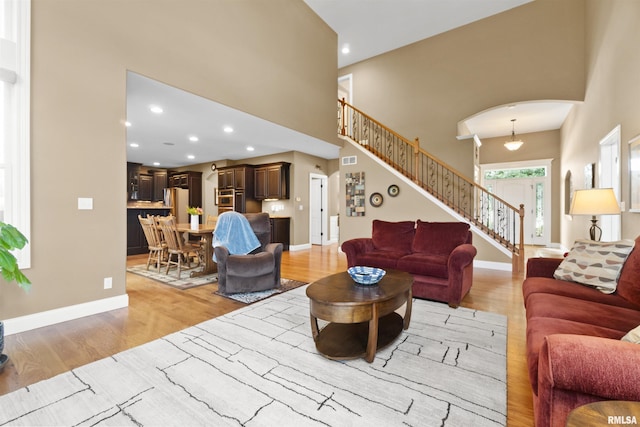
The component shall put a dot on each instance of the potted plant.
(10, 239)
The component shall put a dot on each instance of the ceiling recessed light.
(156, 109)
(228, 129)
(193, 138)
(156, 163)
(345, 49)
(191, 157)
(127, 124)
(250, 148)
(134, 145)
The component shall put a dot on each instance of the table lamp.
(594, 201)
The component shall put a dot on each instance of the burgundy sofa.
(439, 255)
(574, 352)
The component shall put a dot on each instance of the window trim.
(18, 161)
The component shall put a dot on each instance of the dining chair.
(211, 221)
(177, 247)
(157, 247)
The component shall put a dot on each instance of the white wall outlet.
(108, 282)
(85, 203)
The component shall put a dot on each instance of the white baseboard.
(491, 265)
(58, 315)
(293, 248)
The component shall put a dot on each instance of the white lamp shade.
(513, 145)
(594, 201)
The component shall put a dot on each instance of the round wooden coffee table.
(361, 319)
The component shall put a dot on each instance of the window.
(15, 53)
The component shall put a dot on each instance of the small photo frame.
(634, 174)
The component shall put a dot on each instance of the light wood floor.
(156, 310)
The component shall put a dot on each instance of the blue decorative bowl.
(366, 275)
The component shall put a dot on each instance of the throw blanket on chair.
(234, 233)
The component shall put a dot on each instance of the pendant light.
(513, 144)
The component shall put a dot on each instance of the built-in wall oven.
(226, 198)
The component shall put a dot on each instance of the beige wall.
(532, 52)
(275, 60)
(537, 146)
(611, 99)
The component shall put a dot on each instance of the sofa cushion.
(380, 259)
(393, 236)
(629, 281)
(425, 265)
(546, 285)
(587, 312)
(439, 238)
(596, 264)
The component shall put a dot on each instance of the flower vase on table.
(195, 222)
(195, 216)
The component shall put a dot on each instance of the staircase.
(487, 212)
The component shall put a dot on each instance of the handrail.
(492, 214)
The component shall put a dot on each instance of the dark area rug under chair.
(258, 366)
(187, 282)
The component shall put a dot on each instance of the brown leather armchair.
(256, 271)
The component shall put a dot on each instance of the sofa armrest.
(460, 257)
(354, 247)
(603, 367)
(542, 267)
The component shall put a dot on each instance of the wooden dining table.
(206, 232)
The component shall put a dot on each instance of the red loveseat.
(439, 256)
(574, 352)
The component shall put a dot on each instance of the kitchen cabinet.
(191, 181)
(240, 179)
(136, 241)
(271, 181)
(133, 171)
(226, 179)
(145, 183)
(280, 231)
(159, 184)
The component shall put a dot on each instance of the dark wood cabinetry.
(240, 179)
(272, 181)
(226, 179)
(280, 231)
(136, 242)
(145, 183)
(191, 181)
(160, 182)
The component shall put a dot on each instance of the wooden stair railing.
(488, 212)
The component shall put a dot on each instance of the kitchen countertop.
(147, 206)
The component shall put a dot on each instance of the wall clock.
(393, 190)
(376, 200)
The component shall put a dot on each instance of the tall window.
(15, 42)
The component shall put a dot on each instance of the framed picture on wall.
(589, 176)
(634, 174)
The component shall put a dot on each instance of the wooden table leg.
(407, 313)
(314, 327)
(372, 342)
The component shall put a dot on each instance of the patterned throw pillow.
(596, 264)
(633, 335)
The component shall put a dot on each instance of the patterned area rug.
(251, 297)
(171, 279)
(258, 366)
